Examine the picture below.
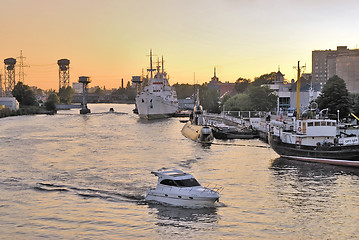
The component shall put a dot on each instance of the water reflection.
(306, 169)
(315, 193)
(178, 217)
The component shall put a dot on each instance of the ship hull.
(150, 106)
(193, 132)
(336, 155)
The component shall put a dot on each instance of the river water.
(72, 176)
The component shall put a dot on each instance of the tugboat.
(314, 139)
(196, 128)
(178, 188)
(157, 99)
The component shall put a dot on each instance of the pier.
(256, 120)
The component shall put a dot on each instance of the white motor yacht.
(178, 188)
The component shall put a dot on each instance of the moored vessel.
(314, 140)
(196, 127)
(178, 188)
(313, 137)
(223, 131)
(156, 98)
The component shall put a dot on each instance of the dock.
(258, 121)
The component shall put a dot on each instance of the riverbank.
(29, 110)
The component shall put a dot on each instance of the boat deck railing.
(213, 187)
(206, 188)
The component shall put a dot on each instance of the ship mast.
(298, 89)
(151, 69)
(162, 66)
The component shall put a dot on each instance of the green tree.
(262, 98)
(184, 90)
(335, 96)
(254, 99)
(51, 102)
(355, 104)
(264, 79)
(238, 102)
(24, 95)
(65, 94)
(209, 99)
(225, 99)
(242, 84)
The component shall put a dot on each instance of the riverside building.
(342, 62)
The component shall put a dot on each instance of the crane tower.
(64, 73)
(9, 82)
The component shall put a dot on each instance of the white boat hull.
(181, 200)
(151, 106)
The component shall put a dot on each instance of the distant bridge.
(67, 106)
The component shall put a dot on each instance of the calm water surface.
(72, 176)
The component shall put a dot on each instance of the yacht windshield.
(187, 182)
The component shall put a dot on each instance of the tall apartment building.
(342, 62)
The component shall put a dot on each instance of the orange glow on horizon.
(109, 40)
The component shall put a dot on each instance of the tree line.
(247, 96)
(253, 95)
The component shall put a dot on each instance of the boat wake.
(89, 192)
(187, 163)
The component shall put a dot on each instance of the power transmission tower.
(21, 67)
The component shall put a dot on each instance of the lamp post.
(338, 115)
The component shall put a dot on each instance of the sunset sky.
(110, 39)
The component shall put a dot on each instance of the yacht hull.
(181, 200)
